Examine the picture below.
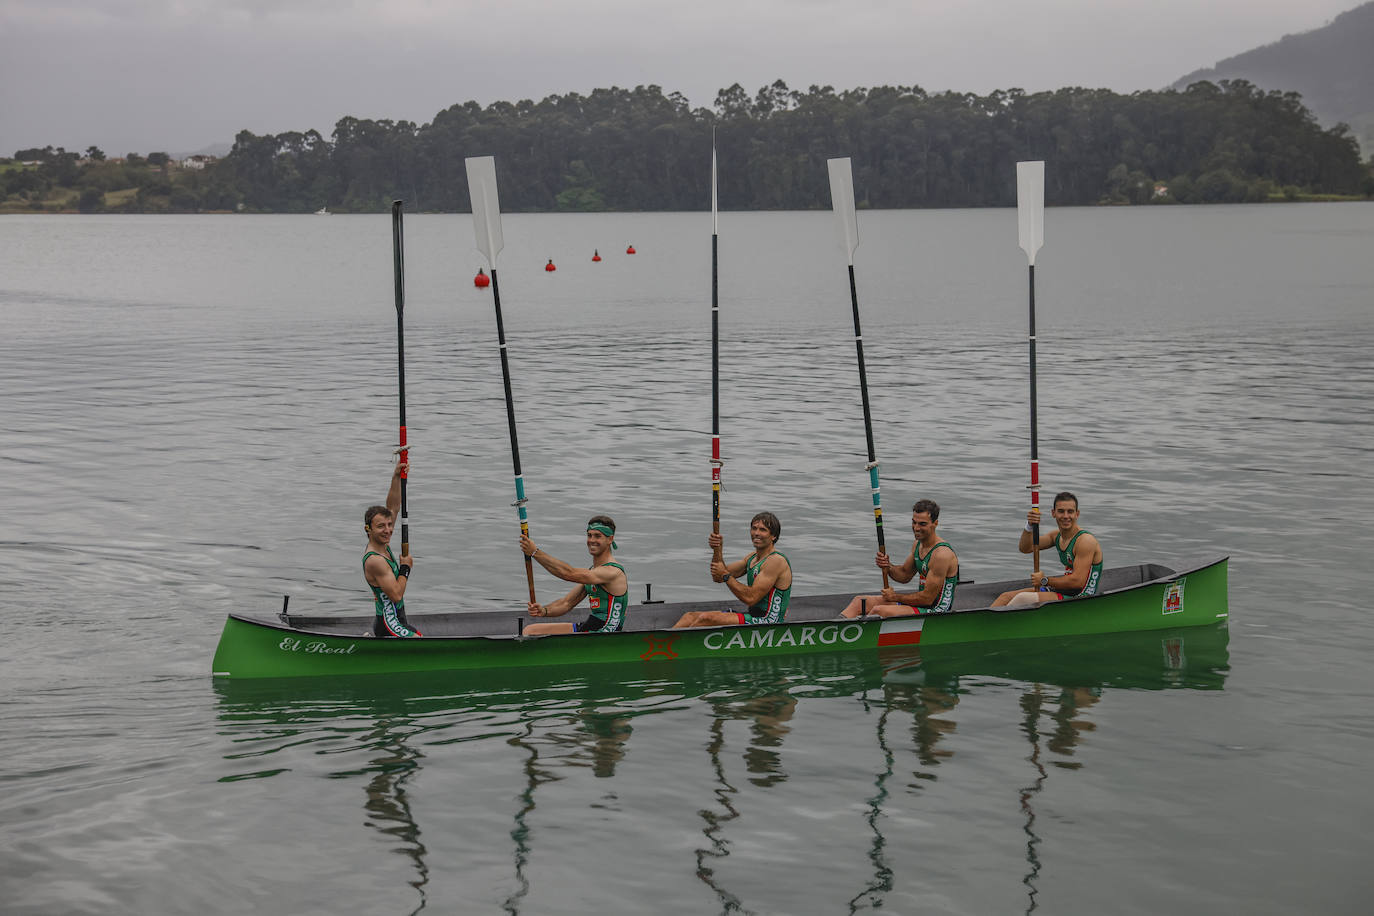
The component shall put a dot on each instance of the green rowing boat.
(1134, 598)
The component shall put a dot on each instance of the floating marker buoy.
(630, 250)
(596, 255)
(481, 281)
(550, 266)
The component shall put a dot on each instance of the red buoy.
(596, 255)
(550, 266)
(481, 281)
(630, 250)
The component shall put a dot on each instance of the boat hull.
(265, 648)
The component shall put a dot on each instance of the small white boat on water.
(323, 211)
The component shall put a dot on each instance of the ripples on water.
(195, 411)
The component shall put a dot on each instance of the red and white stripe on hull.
(900, 631)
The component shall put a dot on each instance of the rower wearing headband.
(604, 585)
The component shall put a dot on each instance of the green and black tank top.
(379, 598)
(1066, 557)
(944, 603)
(607, 610)
(772, 607)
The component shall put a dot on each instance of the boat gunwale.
(1171, 576)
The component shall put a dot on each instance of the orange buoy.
(630, 250)
(481, 281)
(550, 266)
(596, 255)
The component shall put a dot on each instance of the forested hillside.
(1331, 67)
(620, 149)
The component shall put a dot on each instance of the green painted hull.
(264, 648)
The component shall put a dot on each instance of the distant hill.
(219, 150)
(1332, 67)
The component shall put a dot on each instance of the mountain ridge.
(1331, 67)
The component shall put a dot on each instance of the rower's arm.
(764, 580)
(393, 493)
(568, 573)
(560, 606)
(1085, 551)
(907, 570)
(943, 565)
(1027, 542)
(380, 575)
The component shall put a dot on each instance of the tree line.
(639, 149)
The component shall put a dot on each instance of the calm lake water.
(197, 409)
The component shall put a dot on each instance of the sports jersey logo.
(594, 603)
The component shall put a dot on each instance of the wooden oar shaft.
(510, 422)
(868, 420)
(398, 260)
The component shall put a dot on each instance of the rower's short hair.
(374, 511)
(929, 507)
(1063, 497)
(602, 520)
(770, 521)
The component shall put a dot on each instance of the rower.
(932, 559)
(1078, 550)
(767, 587)
(385, 575)
(604, 585)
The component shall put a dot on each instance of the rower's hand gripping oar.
(1030, 216)
(486, 221)
(842, 200)
(402, 449)
(717, 553)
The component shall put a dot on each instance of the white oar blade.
(1030, 206)
(486, 206)
(842, 200)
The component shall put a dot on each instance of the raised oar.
(1030, 216)
(398, 256)
(486, 220)
(715, 361)
(842, 200)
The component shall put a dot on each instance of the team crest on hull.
(660, 646)
(1173, 597)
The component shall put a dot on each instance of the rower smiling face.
(597, 543)
(381, 528)
(922, 525)
(759, 535)
(1066, 514)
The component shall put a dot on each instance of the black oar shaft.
(1034, 426)
(715, 392)
(868, 419)
(398, 259)
(510, 422)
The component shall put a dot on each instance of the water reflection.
(551, 729)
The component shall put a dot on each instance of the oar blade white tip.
(842, 200)
(486, 206)
(1030, 206)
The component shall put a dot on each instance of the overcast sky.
(180, 75)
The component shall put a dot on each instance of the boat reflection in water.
(559, 723)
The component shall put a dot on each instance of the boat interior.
(971, 597)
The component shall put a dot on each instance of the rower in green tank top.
(932, 562)
(604, 585)
(767, 586)
(1078, 551)
(386, 576)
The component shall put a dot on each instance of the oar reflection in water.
(601, 735)
(769, 713)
